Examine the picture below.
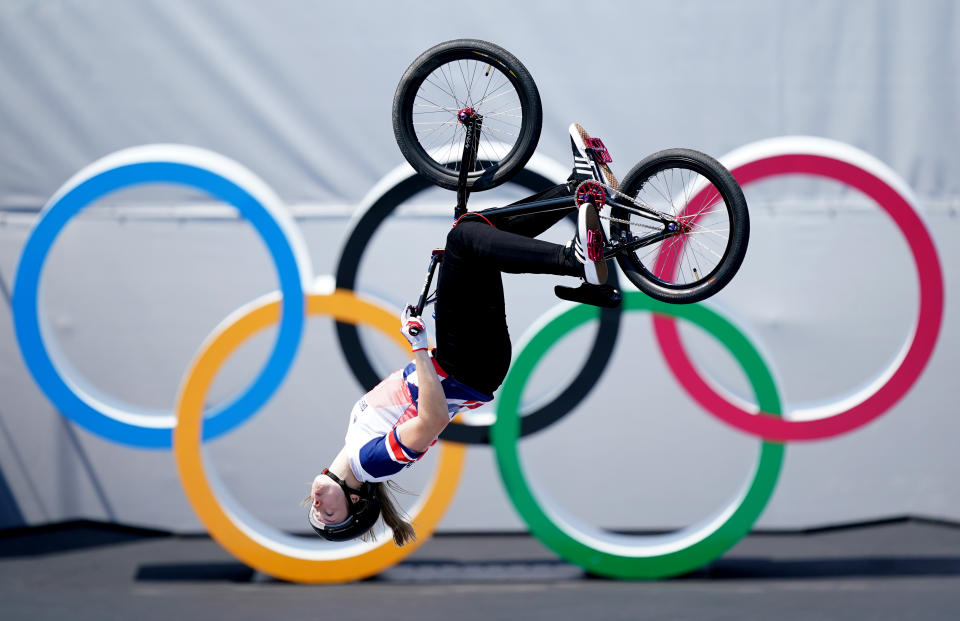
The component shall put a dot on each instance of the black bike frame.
(612, 248)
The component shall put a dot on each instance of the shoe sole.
(583, 167)
(591, 234)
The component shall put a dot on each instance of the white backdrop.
(300, 93)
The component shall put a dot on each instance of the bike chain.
(615, 191)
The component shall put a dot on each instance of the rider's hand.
(413, 329)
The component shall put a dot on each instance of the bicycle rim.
(458, 84)
(685, 191)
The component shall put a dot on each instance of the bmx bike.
(467, 115)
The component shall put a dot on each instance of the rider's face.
(329, 503)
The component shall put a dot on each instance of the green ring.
(656, 556)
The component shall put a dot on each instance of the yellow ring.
(276, 554)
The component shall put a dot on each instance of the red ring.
(921, 344)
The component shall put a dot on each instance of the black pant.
(473, 343)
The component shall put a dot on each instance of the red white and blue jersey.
(375, 451)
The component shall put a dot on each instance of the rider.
(393, 425)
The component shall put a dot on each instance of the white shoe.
(584, 168)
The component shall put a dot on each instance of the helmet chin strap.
(347, 490)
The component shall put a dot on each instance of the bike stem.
(473, 121)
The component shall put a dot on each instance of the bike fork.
(435, 257)
(473, 121)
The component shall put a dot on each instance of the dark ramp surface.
(904, 570)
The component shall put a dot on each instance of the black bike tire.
(519, 77)
(735, 251)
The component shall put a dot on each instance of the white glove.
(414, 330)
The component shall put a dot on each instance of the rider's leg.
(506, 251)
(473, 343)
(583, 255)
(532, 225)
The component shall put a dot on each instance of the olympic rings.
(197, 168)
(636, 557)
(253, 542)
(292, 558)
(843, 163)
(402, 184)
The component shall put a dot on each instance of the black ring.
(349, 336)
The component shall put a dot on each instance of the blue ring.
(26, 319)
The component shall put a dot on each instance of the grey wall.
(300, 93)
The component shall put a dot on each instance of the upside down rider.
(392, 426)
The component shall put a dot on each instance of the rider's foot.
(591, 160)
(589, 245)
(584, 253)
(584, 168)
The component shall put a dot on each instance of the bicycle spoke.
(705, 247)
(429, 134)
(491, 147)
(715, 232)
(680, 263)
(440, 88)
(706, 204)
(653, 248)
(662, 195)
(453, 146)
(670, 191)
(491, 96)
(467, 100)
(698, 271)
(473, 76)
(505, 112)
(449, 83)
(670, 261)
(505, 124)
(500, 131)
(489, 81)
(450, 110)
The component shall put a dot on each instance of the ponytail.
(392, 515)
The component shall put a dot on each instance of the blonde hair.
(392, 515)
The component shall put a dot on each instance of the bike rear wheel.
(460, 75)
(706, 202)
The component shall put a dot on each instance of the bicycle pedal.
(604, 296)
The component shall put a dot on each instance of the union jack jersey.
(375, 451)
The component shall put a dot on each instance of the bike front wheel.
(467, 75)
(712, 224)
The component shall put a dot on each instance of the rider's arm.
(418, 433)
(432, 417)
